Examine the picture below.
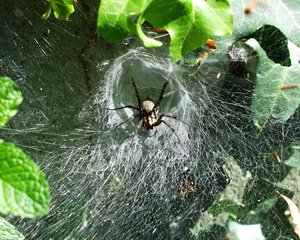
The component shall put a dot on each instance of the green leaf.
(277, 50)
(8, 231)
(112, 17)
(134, 24)
(283, 14)
(294, 159)
(23, 189)
(227, 206)
(190, 23)
(10, 99)
(62, 9)
(265, 206)
(276, 93)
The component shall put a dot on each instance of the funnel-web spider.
(147, 112)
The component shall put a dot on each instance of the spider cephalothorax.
(149, 114)
(147, 111)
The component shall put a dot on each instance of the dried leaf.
(287, 86)
(252, 4)
(211, 44)
(160, 30)
(276, 155)
(203, 57)
(295, 214)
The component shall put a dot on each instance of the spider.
(186, 185)
(147, 112)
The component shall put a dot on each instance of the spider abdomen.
(148, 106)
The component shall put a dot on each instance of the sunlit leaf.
(62, 9)
(283, 14)
(190, 23)
(112, 17)
(134, 25)
(295, 214)
(23, 189)
(8, 231)
(277, 50)
(10, 99)
(268, 99)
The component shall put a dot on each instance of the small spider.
(186, 185)
(148, 112)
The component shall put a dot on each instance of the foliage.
(112, 17)
(8, 231)
(228, 206)
(62, 9)
(189, 23)
(266, 13)
(276, 91)
(24, 190)
(10, 99)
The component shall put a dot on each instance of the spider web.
(116, 183)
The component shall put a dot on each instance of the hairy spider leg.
(159, 121)
(137, 94)
(130, 106)
(169, 93)
(127, 106)
(128, 120)
(173, 130)
(161, 96)
(156, 131)
(176, 118)
(138, 126)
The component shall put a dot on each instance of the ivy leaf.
(276, 93)
(190, 23)
(62, 9)
(112, 17)
(23, 189)
(277, 50)
(8, 231)
(134, 24)
(10, 99)
(282, 14)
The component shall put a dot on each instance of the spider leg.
(128, 106)
(128, 120)
(137, 93)
(138, 126)
(169, 93)
(161, 95)
(176, 118)
(155, 131)
(159, 121)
